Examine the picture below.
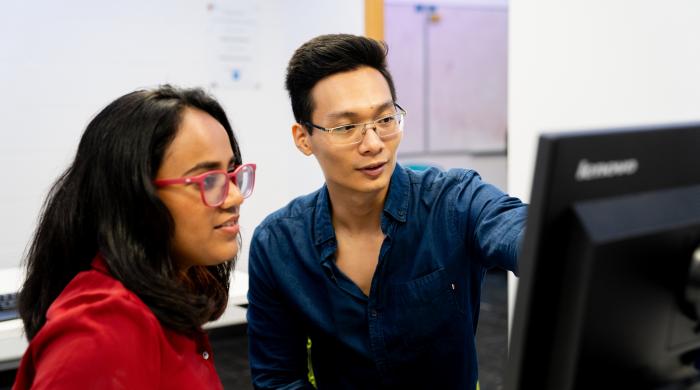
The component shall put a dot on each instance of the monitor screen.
(609, 289)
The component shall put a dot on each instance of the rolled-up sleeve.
(494, 223)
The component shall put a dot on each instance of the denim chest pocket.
(425, 310)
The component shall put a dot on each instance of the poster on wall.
(232, 44)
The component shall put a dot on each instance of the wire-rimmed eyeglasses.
(385, 127)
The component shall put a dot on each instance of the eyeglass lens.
(384, 127)
(244, 180)
(215, 185)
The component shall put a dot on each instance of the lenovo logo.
(605, 169)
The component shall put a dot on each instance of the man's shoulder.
(434, 177)
(298, 208)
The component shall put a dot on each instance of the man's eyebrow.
(342, 115)
(352, 114)
(385, 106)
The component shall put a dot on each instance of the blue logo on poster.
(236, 74)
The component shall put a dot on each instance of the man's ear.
(301, 139)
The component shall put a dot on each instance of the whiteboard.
(62, 62)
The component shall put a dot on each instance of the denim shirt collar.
(395, 205)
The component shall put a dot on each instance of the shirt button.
(205, 355)
(373, 313)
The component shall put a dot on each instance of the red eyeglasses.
(214, 185)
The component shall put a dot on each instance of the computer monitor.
(609, 288)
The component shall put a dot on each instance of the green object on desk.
(312, 379)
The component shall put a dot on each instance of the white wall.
(61, 62)
(499, 3)
(589, 64)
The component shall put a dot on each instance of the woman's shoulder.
(95, 293)
(98, 323)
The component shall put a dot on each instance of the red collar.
(98, 263)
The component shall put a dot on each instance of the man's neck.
(357, 212)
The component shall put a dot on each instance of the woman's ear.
(301, 139)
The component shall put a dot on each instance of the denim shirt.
(416, 328)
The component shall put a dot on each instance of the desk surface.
(13, 343)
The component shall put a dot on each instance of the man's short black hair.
(326, 55)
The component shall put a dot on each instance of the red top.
(99, 335)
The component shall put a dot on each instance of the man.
(382, 267)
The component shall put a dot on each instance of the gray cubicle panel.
(449, 64)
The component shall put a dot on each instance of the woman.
(134, 248)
